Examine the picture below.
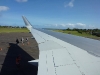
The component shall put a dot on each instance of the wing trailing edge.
(34, 62)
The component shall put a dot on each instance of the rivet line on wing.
(46, 63)
(72, 59)
(54, 63)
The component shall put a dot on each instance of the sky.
(51, 13)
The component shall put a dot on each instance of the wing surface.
(57, 57)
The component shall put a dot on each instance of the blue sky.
(51, 13)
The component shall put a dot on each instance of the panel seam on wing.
(46, 63)
(70, 56)
(54, 63)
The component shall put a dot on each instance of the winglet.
(27, 23)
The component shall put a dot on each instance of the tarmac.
(10, 50)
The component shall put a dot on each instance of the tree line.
(95, 32)
(12, 26)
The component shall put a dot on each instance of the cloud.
(81, 24)
(91, 27)
(21, 0)
(56, 25)
(4, 8)
(64, 25)
(70, 4)
(69, 25)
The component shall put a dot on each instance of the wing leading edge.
(27, 23)
(57, 57)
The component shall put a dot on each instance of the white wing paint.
(57, 57)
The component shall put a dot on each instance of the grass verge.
(9, 30)
(78, 34)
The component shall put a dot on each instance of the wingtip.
(23, 16)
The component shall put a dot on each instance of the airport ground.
(9, 30)
(10, 50)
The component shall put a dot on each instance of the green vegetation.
(75, 33)
(89, 33)
(8, 30)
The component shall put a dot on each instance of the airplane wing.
(57, 57)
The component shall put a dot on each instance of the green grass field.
(9, 30)
(78, 34)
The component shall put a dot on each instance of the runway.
(90, 45)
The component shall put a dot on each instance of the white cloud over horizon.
(4, 8)
(70, 4)
(91, 27)
(21, 0)
(70, 25)
(81, 24)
